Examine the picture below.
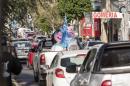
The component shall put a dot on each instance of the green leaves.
(74, 8)
(43, 24)
(49, 11)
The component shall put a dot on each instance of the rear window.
(41, 37)
(47, 44)
(75, 60)
(22, 44)
(116, 57)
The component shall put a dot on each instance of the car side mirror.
(71, 69)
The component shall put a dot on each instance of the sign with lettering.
(106, 15)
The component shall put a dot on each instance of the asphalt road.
(25, 78)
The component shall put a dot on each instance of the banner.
(106, 15)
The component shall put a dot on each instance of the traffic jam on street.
(67, 43)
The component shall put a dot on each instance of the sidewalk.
(15, 82)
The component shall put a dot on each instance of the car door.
(50, 72)
(86, 68)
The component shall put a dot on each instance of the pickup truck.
(42, 60)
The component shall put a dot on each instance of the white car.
(61, 71)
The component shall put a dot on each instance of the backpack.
(14, 66)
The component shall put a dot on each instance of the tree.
(43, 25)
(18, 9)
(74, 9)
(8, 10)
(50, 15)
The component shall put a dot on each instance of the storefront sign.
(106, 15)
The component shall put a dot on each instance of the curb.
(15, 82)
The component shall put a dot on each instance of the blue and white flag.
(64, 33)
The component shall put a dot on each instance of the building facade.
(112, 19)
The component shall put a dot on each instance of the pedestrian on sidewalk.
(13, 65)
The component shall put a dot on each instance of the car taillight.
(106, 83)
(42, 59)
(59, 73)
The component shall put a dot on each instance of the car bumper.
(22, 57)
(61, 81)
(43, 71)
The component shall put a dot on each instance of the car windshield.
(116, 57)
(74, 60)
(47, 44)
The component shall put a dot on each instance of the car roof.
(72, 53)
(118, 44)
(40, 36)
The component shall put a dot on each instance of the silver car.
(108, 65)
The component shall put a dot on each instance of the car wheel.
(36, 78)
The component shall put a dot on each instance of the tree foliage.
(18, 9)
(51, 11)
(50, 15)
(43, 25)
(74, 8)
